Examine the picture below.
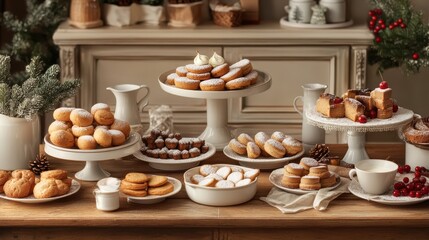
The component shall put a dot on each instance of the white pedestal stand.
(356, 131)
(217, 131)
(92, 170)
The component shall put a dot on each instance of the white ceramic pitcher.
(128, 108)
(311, 135)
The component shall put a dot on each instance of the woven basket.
(227, 19)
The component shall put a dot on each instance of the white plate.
(388, 197)
(284, 22)
(261, 162)
(175, 165)
(132, 144)
(276, 179)
(151, 199)
(31, 199)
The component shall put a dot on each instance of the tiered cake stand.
(356, 131)
(92, 170)
(217, 131)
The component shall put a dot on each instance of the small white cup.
(375, 176)
(106, 201)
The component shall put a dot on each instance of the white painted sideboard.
(107, 56)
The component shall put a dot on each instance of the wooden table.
(76, 217)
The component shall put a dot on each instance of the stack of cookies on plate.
(138, 184)
(213, 74)
(278, 145)
(223, 177)
(307, 175)
(76, 127)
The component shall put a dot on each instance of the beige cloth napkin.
(292, 203)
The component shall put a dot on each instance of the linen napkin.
(292, 203)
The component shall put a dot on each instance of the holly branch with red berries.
(401, 39)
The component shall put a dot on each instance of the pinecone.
(39, 164)
(319, 151)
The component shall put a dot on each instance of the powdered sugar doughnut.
(103, 137)
(99, 106)
(118, 137)
(225, 184)
(277, 135)
(86, 142)
(220, 70)
(62, 114)
(198, 76)
(237, 147)
(81, 117)
(214, 84)
(292, 145)
(238, 83)
(244, 138)
(199, 68)
(261, 138)
(181, 71)
(122, 126)
(104, 117)
(274, 148)
(58, 125)
(80, 131)
(252, 76)
(232, 74)
(170, 78)
(186, 83)
(62, 138)
(244, 65)
(253, 151)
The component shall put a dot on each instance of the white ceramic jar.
(336, 10)
(106, 200)
(415, 156)
(301, 6)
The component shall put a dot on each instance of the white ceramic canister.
(301, 6)
(416, 156)
(336, 10)
(106, 200)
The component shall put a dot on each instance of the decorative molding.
(359, 65)
(70, 70)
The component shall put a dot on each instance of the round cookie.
(4, 176)
(81, 131)
(294, 169)
(274, 148)
(310, 183)
(207, 182)
(320, 171)
(329, 181)
(62, 114)
(133, 186)
(235, 177)
(252, 76)
(134, 193)
(238, 83)
(170, 78)
(136, 177)
(193, 68)
(122, 126)
(277, 135)
(244, 65)
(252, 174)
(198, 76)
(307, 163)
(118, 137)
(156, 181)
(186, 83)
(81, 117)
(104, 117)
(197, 178)
(220, 70)
(58, 125)
(214, 84)
(292, 145)
(243, 182)
(181, 71)
(103, 137)
(224, 172)
(291, 181)
(232, 74)
(253, 151)
(62, 138)
(237, 147)
(86, 142)
(99, 106)
(206, 169)
(225, 184)
(46, 189)
(18, 187)
(161, 190)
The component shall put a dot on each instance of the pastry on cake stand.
(356, 131)
(92, 170)
(217, 131)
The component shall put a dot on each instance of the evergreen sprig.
(401, 39)
(40, 93)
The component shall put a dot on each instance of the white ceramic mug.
(302, 8)
(310, 134)
(375, 176)
(106, 200)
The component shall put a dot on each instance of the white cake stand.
(356, 131)
(217, 132)
(92, 170)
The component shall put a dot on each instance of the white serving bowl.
(218, 196)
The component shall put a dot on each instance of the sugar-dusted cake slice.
(330, 106)
(381, 94)
(366, 101)
(353, 109)
(352, 93)
(383, 104)
(385, 113)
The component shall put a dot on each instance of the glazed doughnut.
(294, 169)
(170, 78)
(260, 139)
(244, 138)
(81, 117)
(86, 142)
(58, 125)
(104, 117)
(214, 84)
(232, 74)
(181, 71)
(186, 83)
(62, 138)
(279, 136)
(199, 68)
(220, 70)
(118, 137)
(274, 148)
(310, 183)
(80, 131)
(99, 106)
(253, 151)
(103, 137)
(244, 65)
(291, 181)
(319, 171)
(198, 76)
(329, 181)
(253, 76)
(237, 147)
(292, 145)
(122, 126)
(238, 83)
(62, 114)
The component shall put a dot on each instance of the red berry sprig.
(417, 188)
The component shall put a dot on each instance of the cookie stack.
(223, 177)
(140, 185)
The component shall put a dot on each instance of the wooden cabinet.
(106, 56)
